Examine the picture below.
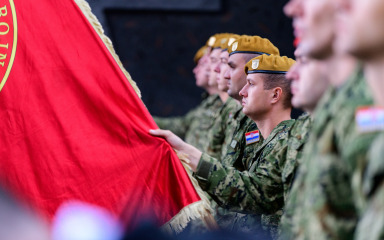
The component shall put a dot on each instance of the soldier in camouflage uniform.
(322, 204)
(197, 123)
(321, 199)
(200, 138)
(232, 80)
(304, 75)
(366, 44)
(230, 127)
(198, 135)
(215, 146)
(216, 142)
(258, 189)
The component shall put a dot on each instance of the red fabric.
(72, 126)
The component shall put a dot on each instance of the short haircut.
(279, 80)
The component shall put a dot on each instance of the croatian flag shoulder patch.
(370, 119)
(252, 137)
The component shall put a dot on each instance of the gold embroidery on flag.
(8, 39)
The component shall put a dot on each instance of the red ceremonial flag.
(72, 125)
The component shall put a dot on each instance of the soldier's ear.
(276, 94)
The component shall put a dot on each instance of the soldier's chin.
(296, 102)
(223, 88)
(245, 111)
(317, 50)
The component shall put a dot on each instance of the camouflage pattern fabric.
(371, 221)
(322, 204)
(237, 125)
(298, 135)
(297, 138)
(232, 124)
(237, 149)
(256, 190)
(222, 129)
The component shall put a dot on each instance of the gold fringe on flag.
(201, 209)
(86, 9)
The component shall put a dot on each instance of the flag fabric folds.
(72, 125)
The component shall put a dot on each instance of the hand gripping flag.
(72, 125)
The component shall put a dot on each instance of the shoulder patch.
(369, 119)
(252, 137)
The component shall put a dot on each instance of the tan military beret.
(253, 44)
(269, 64)
(214, 41)
(226, 42)
(200, 53)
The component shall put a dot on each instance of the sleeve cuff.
(204, 169)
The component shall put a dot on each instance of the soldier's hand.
(178, 144)
(171, 138)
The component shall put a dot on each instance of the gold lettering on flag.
(8, 38)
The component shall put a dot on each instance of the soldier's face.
(237, 76)
(222, 82)
(308, 82)
(201, 72)
(255, 99)
(214, 61)
(360, 28)
(313, 23)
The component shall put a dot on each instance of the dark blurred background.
(157, 39)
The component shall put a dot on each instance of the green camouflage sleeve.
(248, 192)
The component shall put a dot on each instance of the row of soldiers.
(317, 177)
